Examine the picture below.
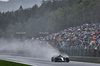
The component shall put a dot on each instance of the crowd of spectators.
(86, 34)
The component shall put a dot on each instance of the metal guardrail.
(85, 59)
(87, 51)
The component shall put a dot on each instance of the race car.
(60, 58)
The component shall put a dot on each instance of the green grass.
(8, 63)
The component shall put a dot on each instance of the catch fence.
(89, 51)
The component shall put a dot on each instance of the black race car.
(60, 58)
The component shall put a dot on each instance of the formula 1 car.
(60, 58)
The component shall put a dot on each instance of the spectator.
(86, 34)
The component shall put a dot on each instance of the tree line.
(51, 16)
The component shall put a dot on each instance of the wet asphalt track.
(43, 62)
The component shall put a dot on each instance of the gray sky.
(12, 5)
(4, 0)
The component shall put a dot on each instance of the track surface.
(43, 62)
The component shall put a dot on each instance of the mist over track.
(28, 48)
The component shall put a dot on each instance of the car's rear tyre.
(53, 59)
(56, 60)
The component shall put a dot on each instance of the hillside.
(51, 16)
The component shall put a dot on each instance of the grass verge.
(8, 63)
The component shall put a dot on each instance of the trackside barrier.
(85, 59)
(85, 51)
